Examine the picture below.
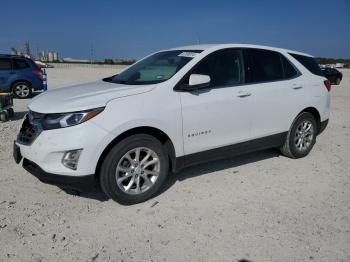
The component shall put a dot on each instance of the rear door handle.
(243, 94)
(297, 87)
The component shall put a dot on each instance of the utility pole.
(92, 52)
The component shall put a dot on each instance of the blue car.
(19, 75)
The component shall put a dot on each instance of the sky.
(132, 29)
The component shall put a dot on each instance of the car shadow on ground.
(219, 165)
(198, 170)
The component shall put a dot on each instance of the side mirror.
(197, 81)
(109, 79)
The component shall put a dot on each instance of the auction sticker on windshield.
(188, 54)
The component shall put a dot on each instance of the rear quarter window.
(309, 63)
(20, 64)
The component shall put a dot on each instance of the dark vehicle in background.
(333, 75)
(19, 75)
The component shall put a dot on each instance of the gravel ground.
(258, 207)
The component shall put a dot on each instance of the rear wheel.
(134, 170)
(301, 136)
(22, 90)
(337, 81)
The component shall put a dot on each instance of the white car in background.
(173, 109)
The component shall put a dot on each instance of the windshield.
(156, 68)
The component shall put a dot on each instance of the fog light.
(70, 159)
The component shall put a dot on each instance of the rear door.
(219, 115)
(278, 92)
(5, 74)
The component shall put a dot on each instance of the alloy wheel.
(22, 90)
(137, 170)
(304, 134)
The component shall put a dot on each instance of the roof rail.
(7, 55)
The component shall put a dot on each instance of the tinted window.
(334, 71)
(309, 63)
(20, 64)
(5, 64)
(266, 65)
(224, 68)
(288, 68)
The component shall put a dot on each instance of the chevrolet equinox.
(170, 110)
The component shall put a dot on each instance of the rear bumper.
(38, 85)
(323, 126)
(87, 183)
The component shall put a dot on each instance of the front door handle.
(243, 94)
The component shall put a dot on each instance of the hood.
(83, 97)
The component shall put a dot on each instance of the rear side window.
(288, 68)
(266, 65)
(20, 64)
(309, 63)
(5, 64)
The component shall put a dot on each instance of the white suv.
(172, 109)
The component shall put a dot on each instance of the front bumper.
(87, 183)
(42, 153)
(47, 148)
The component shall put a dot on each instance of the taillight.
(38, 73)
(327, 84)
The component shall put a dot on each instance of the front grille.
(31, 128)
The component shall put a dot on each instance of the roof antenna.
(198, 40)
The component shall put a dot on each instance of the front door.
(219, 115)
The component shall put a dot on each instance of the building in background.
(44, 56)
(14, 51)
(50, 56)
(47, 56)
(25, 50)
(55, 56)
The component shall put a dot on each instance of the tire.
(138, 180)
(3, 116)
(11, 112)
(337, 81)
(22, 90)
(299, 141)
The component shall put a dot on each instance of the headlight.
(54, 121)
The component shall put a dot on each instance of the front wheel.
(134, 170)
(337, 81)
(301, 136)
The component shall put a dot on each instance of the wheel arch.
(18, 81)
(155, 132)
(315, 113)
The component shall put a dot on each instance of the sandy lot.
(258, 207)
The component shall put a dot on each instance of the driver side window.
(225, 68)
